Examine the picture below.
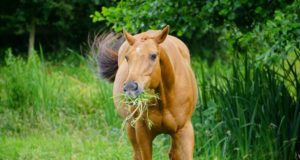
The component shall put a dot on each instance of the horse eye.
(153, 56)
(126, 57)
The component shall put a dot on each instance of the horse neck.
(167, 81)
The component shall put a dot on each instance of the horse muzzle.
(132, 89)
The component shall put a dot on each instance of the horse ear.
(162, 35)
(130, 39)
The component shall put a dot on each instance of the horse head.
(143, 59)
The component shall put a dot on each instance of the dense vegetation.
(245, 55)
(216, 25)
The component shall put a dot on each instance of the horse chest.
(163, 121)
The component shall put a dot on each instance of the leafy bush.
(212, 29)
(186, 17)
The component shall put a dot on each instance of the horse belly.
(185, 97)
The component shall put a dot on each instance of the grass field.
(62, 110)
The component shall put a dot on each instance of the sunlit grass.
(78, 145)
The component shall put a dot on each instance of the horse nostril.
(130, 86)
(134, 86)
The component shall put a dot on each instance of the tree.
(23, 16)
(186, 16)
(197, 22)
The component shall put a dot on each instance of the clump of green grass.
(138, 106)
(249, 113)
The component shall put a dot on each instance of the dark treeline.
(55, 25)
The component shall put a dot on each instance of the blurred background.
(245, 55)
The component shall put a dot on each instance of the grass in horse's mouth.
(139, 106)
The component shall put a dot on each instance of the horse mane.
(105, 47)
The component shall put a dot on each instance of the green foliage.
(211, 28)
(142, 15)
(272, 40)
(188, 16)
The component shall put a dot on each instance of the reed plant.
(252, 112)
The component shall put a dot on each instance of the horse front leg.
(183, 143)
(144, 140)
(132, 138)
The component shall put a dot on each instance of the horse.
(160, 62)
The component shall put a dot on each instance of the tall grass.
(248, 113)
(35, 90)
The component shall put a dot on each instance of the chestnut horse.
(153, 60)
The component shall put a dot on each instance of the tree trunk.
(31, 38)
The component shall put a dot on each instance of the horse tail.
(105, 47)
